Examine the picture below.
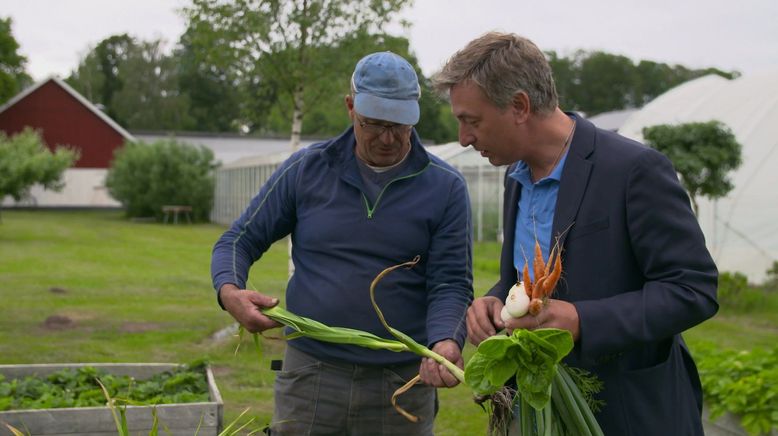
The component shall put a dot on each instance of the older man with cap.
(354, 205)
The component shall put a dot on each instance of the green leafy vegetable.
(529, 355)
(80, 388)
(548, 399)
(744, 383)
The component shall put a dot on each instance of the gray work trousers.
(323, 398)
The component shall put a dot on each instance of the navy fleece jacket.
(341, 242)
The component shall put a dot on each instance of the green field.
(91, 286)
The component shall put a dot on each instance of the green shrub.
(25, 160)
(771, 282)
(744, 383)
(735, 293)
(144, 177)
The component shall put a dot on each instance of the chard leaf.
(561, 340)
(537, 400)
(540, 351)
(529, 356)
(496, 347)
(475, 376)
(500, 371)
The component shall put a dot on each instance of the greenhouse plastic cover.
(741, 229)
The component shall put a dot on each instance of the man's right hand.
(245, 305)
(483, 319)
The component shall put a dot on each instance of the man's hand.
(483, 319)
(435, 374)
(245, 305)
(556, 314)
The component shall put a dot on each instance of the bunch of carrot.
(546, 278)
(528, 296)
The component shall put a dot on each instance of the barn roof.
(75, 94)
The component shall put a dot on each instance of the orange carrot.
(553, 278)
(535, 306)
(537, 290)
(537, 264)
(550, 258)
(527, 282)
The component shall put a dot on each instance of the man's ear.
(520, 106)
(349, 100)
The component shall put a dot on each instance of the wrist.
(224, 293)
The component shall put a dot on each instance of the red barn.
(65, 117)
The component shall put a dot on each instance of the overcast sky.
(728, 34)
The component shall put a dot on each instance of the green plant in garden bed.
(118, 409)
(83, 387)
(744, 383)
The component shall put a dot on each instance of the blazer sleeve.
(680, 277)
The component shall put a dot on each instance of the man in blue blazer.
(636, 269)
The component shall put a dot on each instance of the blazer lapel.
(511, 208)
(575, 177)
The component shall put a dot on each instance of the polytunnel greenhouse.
(741, 229)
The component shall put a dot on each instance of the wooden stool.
(175, 210)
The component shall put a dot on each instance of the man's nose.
(387, 136)
(465, 137)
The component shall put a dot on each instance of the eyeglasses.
(398, 130)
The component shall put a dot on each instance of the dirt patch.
(58, 322)
(138, 327)
(220, 371)
(58, 290)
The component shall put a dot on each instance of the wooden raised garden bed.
(180, 419)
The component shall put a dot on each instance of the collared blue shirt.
(536, 213)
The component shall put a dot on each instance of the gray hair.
(502, 65)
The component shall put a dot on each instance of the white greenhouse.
(238, 181)
(741, 229)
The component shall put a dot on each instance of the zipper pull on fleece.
(367, 206)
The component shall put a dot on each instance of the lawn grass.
(141, 292)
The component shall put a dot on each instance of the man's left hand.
(435, 374)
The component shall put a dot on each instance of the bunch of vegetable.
(528, 296)
(551, 398)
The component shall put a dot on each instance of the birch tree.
(279, 40)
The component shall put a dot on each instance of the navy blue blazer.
(636, 267)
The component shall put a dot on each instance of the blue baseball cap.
(386, 87)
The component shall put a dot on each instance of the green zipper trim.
(371, 210)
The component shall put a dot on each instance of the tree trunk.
(297, 118)
(695, 207)
(297, 128)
